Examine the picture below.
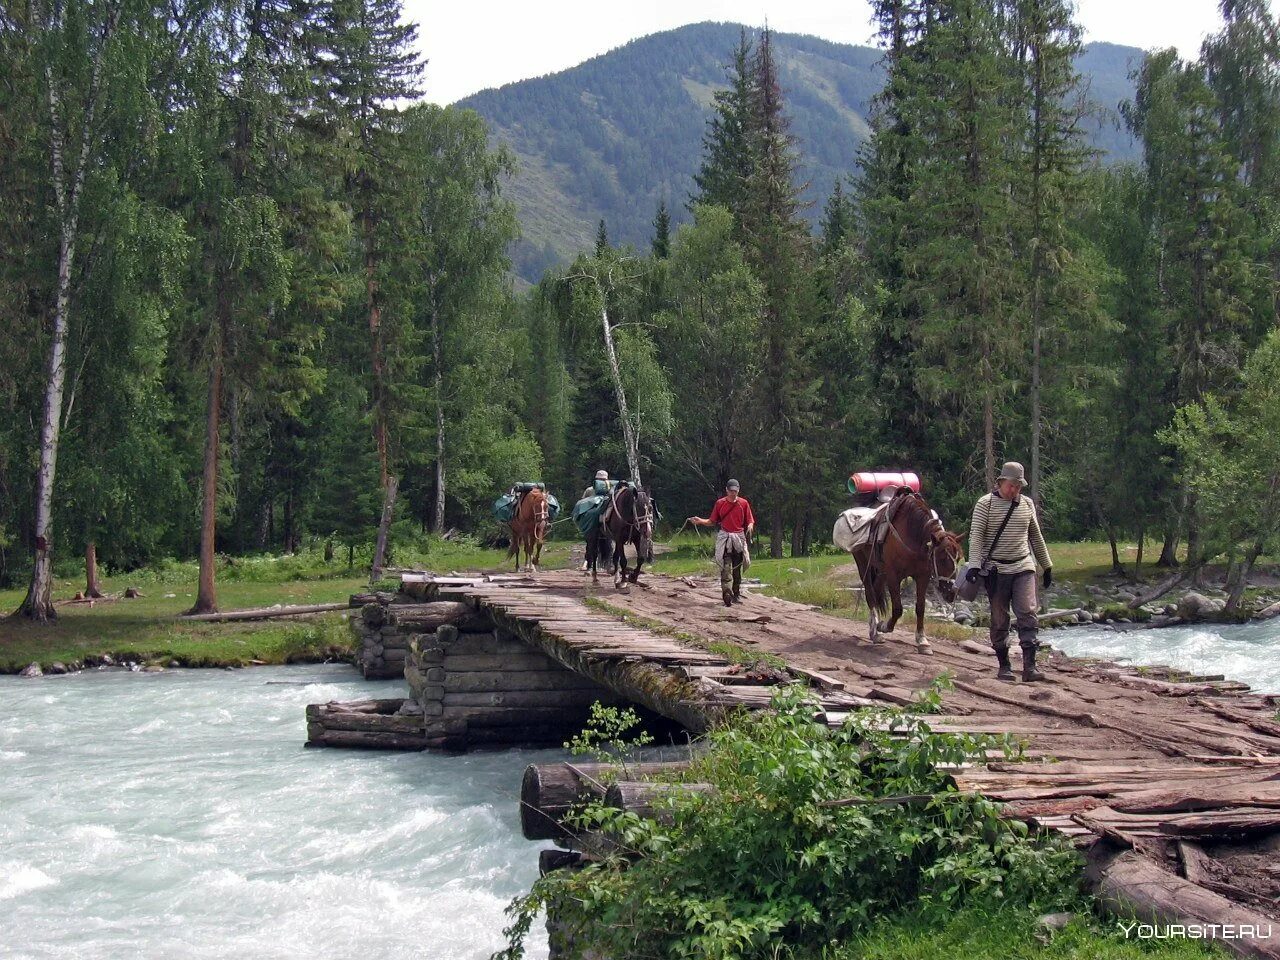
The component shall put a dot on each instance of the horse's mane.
(917, 516)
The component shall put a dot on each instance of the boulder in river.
(1196, 606)
(32, 670)
(1268, 613)
(58, 667)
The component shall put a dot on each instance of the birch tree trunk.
(628, 426)
(38, 604)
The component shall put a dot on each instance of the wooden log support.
(647, 799)
(1132, 886)
(550, 791)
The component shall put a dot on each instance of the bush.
(809, 836)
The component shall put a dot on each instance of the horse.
(529, 529)
(628, 519)
(917, 546)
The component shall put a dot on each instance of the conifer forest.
(256, 293)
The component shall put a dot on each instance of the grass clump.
(809, 839)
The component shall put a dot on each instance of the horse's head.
(639, 514)
(946, 555)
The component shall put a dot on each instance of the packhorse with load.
(617, 513)
(529, 510)
(893, 534)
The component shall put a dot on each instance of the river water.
(177, 816)
(1247, 652)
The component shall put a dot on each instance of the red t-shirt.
(733, 516)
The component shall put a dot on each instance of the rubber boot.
(1006, 670)
(1029, 672)
(727, 597)
(737, 584)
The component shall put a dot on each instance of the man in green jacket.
(1011, 561)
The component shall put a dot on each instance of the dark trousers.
(1016, 591)
(731, 568)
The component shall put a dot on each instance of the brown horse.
(917, 546)
(529, 529)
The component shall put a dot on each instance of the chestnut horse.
(628, 519)
(917, 546)
(529, 529)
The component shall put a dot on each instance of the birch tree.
(73, 41)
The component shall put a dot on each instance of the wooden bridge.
(1171, 781)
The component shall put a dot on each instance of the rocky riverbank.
(1109, 600)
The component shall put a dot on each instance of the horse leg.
(619, 563)
(873, 622)
(922, 642)
(895, 593)
(635, 574)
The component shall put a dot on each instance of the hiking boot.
(728, 598)
(1005, 672)
(737, 595)
(1029, 672)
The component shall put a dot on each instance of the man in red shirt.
(737, 522)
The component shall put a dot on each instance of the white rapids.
(1248, 652)
(177, 816)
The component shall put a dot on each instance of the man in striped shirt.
(1011, 560)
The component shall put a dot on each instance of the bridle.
(541, 518)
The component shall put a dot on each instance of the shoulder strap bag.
(968, 585)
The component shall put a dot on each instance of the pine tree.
(1062, 306)
(727, 159)
(602, 238)
(1205, 276)
(660, 246)
(373, 68)
(777, 242)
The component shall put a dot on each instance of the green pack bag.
(586, 513)
(504, 508)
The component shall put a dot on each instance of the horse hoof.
(924, 646)
(879, 641)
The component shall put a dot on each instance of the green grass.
(1010, 935)
(151, 629)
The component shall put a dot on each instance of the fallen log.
(550, 791)
(1130, 885)
(265, 613)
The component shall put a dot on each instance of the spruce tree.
(777, 244)
(727, 158)
(660, 246)
(372, 69)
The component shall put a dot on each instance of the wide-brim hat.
(1013, 471)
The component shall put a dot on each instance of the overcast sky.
(473, 45)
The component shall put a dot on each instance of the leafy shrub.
(808, 836)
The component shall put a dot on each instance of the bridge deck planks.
(1090, 739)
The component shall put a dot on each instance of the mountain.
(613, 136)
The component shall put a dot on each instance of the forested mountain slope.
(615, 135)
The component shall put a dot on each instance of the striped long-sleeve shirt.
(1021, 544)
